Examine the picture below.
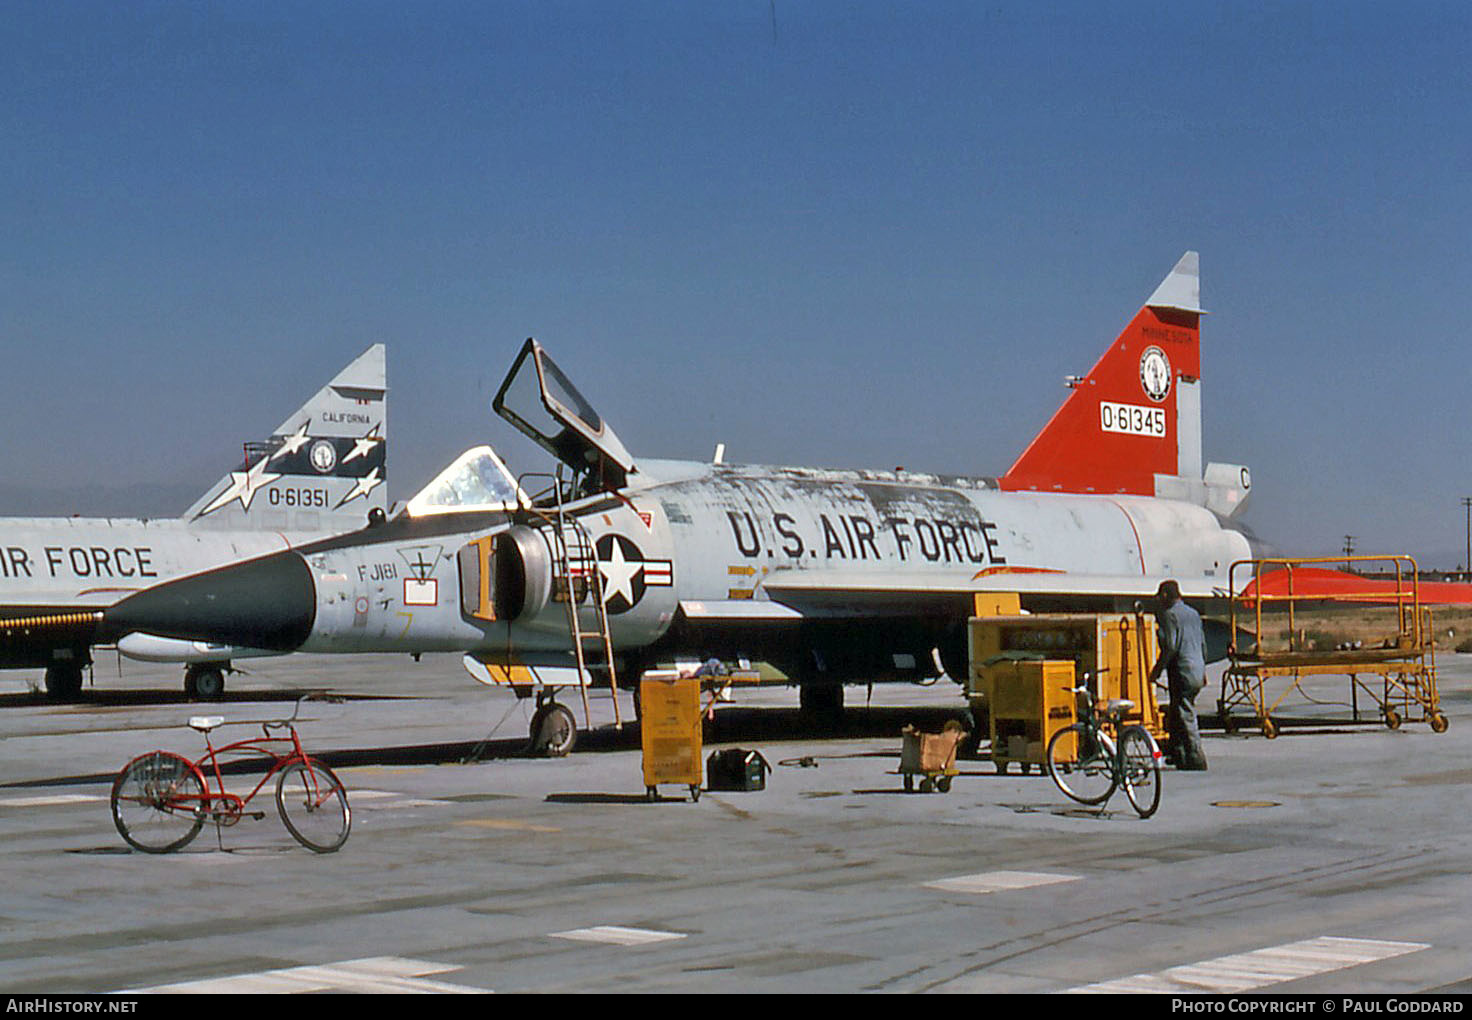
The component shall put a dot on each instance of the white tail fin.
(321, 470)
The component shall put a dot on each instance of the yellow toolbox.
(669, 731)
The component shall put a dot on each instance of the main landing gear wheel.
(554, 731)
(821, 704)
(63, 681)
(206, 682)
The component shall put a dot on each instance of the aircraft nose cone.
(268, 603)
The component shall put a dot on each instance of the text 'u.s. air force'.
(856, 537)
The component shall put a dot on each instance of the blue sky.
(844, 234)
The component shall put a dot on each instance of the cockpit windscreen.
(477, 480)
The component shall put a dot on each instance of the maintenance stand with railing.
(1272, 651)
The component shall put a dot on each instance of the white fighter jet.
(621, 564)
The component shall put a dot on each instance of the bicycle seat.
(1116, 706)
(205, 723)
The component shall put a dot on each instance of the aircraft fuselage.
(699, 559)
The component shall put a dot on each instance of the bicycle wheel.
(1081, 762)
(313, 805)
(159, 802)
(1141, 758)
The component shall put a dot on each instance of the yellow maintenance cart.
(1269, 601)
(1022, 667)
(670, 731)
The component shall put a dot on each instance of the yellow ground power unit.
(1030, 701)
(670, 731)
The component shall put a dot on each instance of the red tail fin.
(1137, 414)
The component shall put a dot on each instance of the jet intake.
(506, 577)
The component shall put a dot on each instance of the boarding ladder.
(578, 584)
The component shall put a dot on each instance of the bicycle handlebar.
(286, 724)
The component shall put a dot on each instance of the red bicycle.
(161, 800)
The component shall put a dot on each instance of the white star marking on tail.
(293, 442)
(365, 485)
(361, 447)
(243, 486)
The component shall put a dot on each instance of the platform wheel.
(943, 784)
(1438, 723)
(1269, 729)
(927, 785)
(1392, 719)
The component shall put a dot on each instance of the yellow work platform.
(1404, 662)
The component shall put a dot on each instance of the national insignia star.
(243, 487)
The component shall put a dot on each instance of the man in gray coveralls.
(1183, 660)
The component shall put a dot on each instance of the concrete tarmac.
(1335, 858)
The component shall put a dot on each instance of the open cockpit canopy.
(477, 480)
(542, 402)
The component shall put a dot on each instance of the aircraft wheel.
(821, 703)
(206, 682)
(554, 730)
(63, 681)
(1438, 723)
(1392, 719)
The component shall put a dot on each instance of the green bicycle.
(1088, 766)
